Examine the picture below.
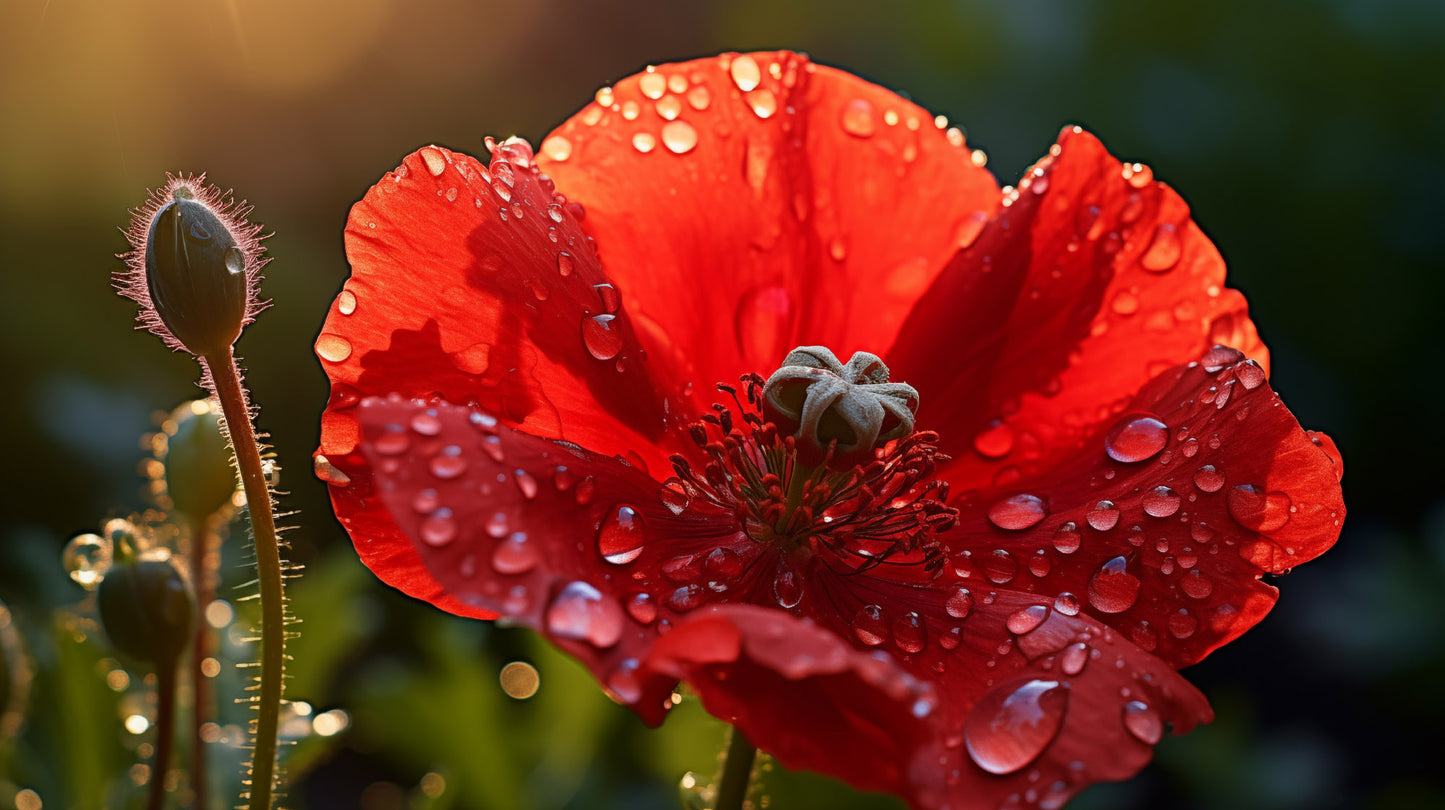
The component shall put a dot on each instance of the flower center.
(822, 459)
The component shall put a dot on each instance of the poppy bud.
(851, 408)
(193, 267)
(148, 608)
(199, 476)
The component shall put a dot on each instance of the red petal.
(1093, 280)
(807, 697)
(454, 293)
(1162, 524)
(777, 203)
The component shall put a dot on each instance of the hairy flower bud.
(829, 406)
(193, 266)
(148, 608)
(199, 477)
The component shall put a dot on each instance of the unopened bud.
(193, 268)
(148, 608)
(199, 476)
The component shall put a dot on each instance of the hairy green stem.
(165, 733)
(203, 579)
(737, 772)
(226, 378)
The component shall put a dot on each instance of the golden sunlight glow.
(520, 680)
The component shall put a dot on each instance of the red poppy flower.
(526, 421)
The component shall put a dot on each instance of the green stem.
(226, 378)
(737, 772)
(203, 546)
(165, 732)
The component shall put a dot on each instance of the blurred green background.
(1307, 136)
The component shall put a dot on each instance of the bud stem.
(165, 732)
(226, 378)
(203, 566)
(737, 772)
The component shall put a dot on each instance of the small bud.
(199, 476)
(148, 608)
(193, 268)
(851, 408)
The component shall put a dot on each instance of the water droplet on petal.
(1113, 589)
(1073, 659)
(644, 142)
(699, 97)
(580, 612)
(679, 137)
(346, 302)
(763, 322)
(763, 102)
(1027, 619)
(1067, 604)
(439, 529)
(1250, 375)
(652, 85)
(392, 441)
(426, 423)
(909, 633)
(1196, 585)
(1000, 567)
(623, 682)
(1161, 502)
(448, 463)
(1104, 516)
(870, 626)
(857, 118)
(1257, 511)
(787, 587)
(610, 298)
(1018, 512)
(601, 336)
(515, 555)
(745, 73)
(326, 471)
(1009, 728)
(968, 229)
(1164, 249)
(1143, 722)
(669, 108)
(621, 537)
(1209, 479)
(526, 484)
(642, 607)
(995, 441)
(1135, 438)
(959, 603)
(333, 348)
(435, 162)
(557, 148)
(1067, 538)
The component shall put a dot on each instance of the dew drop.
(1067, 538)
(1196, 585)
(1135, 438)
(687, 597)
(1257, 511)
(1009, 728)
(787, 587)
(644, 142)
(564, 263)
(668, 108)
(86, 558)
(745, 73)
(1040, 564)
(642, 607)
(333, 348)
(959, 603)
(995, 441)
(1104, 516)
(857, 118)
(326, 471)
(435, 162)
(448, 463)
(909, 633)
(1161, 502)
(652, 85)
(346, 302)
(1143, 722)
(968, 229)
(496, 525)
(623, 682)
(557, 147)
(673, 496)
(1182, 624)
(699, 98)
(870, 626)
(1112, 589)
(580, 612)
(1073, 659)
(392, 442)
(1018, 512)
(601, 336)
(610, 298)
(426, 423)
(1250, 375)
(426, 501)
(1027, 619)
(620, 538)
(439, 529)
(763, 102)
(1208, 478)
(763, 321)
(1067, 604)
(679, 137)
(1164, 249)
(526, 484)
(1000, 567)
(515, 555)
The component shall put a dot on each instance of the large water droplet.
(679, 137)
(621, 537)
(669, 108)
(1009, 728)
(1000, 567)
(857, 118)
(1027, 619)
(1018, 512)
(1135, 438)
(1256, 510)
(642, 607)
(1067, 538)
(764, 103)
(86, 558)
(1161, 502)
(346, 302)
(959, 603)
(644, 142)
(1143, 722)
(602, 336)
(1196, 585)
(909, 633)
(745, 73)
(439, 529)
(1067, 604)
(1104, 516)
(448, 463)
(1164, 249)
(557, 148)
(699, 98)
(580, 612)
(787, 587)
(995, 441)
(870, 625)
(1208, 478)
(652, 85)
(1073, 659)
(333, 348)
(515, 555)
(1113, 589)
(435, 162)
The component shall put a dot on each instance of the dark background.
(1306, 136)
